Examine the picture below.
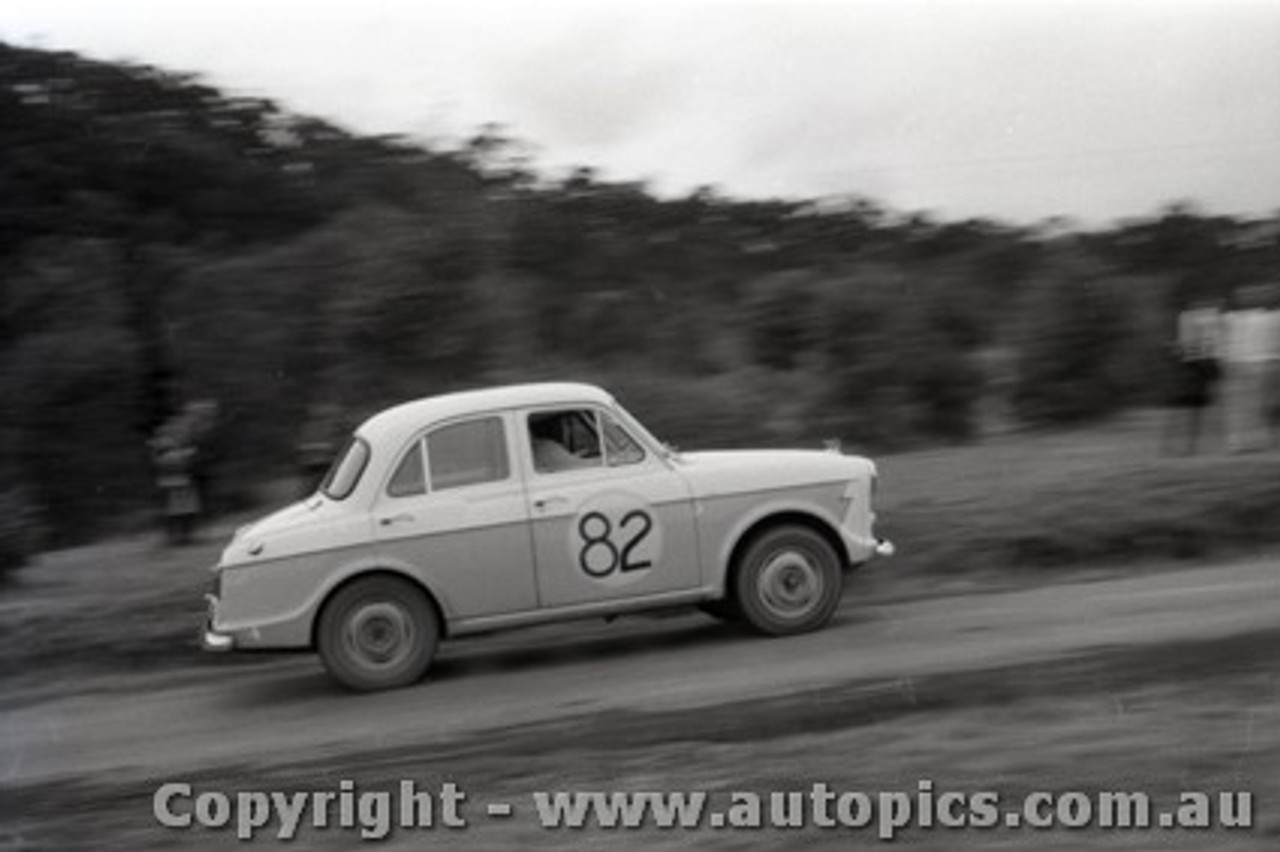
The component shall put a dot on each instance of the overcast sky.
(1017, 110)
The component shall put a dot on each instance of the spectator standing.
(181, 469)
(1247, 352)
(1197, 352)
(1271, 381)
(173, 458)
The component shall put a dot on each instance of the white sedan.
(526, 504)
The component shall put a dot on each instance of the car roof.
(397, 423)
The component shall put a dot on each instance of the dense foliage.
(163, 242)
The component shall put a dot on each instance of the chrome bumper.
(210, 639)
(862, 549)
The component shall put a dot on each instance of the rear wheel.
(789, 580)
(378, 633)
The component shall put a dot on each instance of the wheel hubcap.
(790, 584)
(379, 635)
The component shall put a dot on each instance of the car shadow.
(546, 648)
(511, 652)
(542, 648)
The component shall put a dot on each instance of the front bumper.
(210, 639)
(862, 549)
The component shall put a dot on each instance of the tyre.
(789, 580)
(378, 633)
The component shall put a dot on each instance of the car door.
(455, 510)
(611, 518)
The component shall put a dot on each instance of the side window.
(619, 447)
(467, 454)
(410, 477)
(564, 440)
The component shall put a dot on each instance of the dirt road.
(149, 726)
(1143, 678)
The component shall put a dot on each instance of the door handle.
(403, 517)
(544, 503)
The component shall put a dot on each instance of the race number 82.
(607, 549)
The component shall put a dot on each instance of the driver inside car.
(551, 453)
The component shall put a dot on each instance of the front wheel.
(788, 581)
(378, 633)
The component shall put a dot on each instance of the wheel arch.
(773, 520)
(382, 571)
